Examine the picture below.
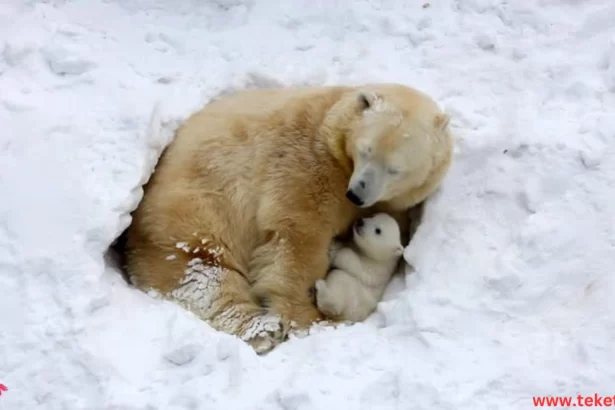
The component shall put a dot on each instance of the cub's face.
(378, 237)
(392, 152)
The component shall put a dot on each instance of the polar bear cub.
(361, 271)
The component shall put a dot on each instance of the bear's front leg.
(283, 272)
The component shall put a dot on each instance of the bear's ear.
(367, 99)
(441, 121)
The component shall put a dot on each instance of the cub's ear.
(441, 121)
(367, 99)
(399, 250)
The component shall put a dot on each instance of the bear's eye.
(392, 171)
(378, 231)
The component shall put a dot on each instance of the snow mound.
(512, 293)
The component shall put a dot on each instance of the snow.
(512, 296)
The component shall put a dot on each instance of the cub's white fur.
(361, 271)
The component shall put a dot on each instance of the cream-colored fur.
(236, 220)
(352, 290)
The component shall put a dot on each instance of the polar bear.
(236, 220)
(362, 270)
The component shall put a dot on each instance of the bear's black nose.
(353, 197)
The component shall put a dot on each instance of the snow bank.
(512, 295)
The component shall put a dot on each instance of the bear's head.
(378, 237)
(398, 138)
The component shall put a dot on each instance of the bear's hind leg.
(189, 247)
(221, 296)
(196, 275)
(233, 310)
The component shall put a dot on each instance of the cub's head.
(397, 139)
(378, 237)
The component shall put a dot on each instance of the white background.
(513, 294)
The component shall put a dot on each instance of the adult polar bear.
(236, 221)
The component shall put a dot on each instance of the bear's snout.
(354, 198)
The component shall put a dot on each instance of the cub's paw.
(320, 285)
(265, 333)
(334, 248)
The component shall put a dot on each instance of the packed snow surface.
(513, 293)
